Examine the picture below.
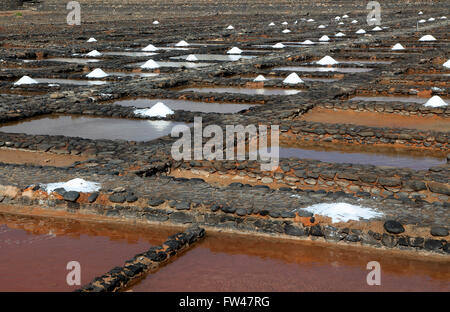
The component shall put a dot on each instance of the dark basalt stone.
(394, 227)
(71, 196)
(117, 198)
(155, 202)
(432, 244)
(439, 231)
(93, 197)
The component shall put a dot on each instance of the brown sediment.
(377, 119)
(16, 156)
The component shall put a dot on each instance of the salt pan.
(343, 212)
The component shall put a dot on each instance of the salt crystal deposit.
(397, 47)
(321, 26)
(150, 48)
(324, 38)
(150, 64)
(94, 53)
(343, 212)
(155, 23)
(97, 73)
(234, 50)
(422, 21)
(286, 31)
(157, 110)
(25, 80)
(427, 38)
(354, 22)
(279, 45)
(307, 42)
(230, 27)
(339, 34)
(182, 43)
(272, 24)
(310, 20)
(259, 78)
(361, 31)
(443, 17)
(284, 23)
(377, 28)
(293, 79)
(447, 64)
(75, 185)
(431, 19)
(327, 60)
(345, 16)
(190, 58)
(91, 40)
(435, 101)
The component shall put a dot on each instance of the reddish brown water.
(34, 252)
(224, 262)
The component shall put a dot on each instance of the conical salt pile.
(327, 60)
(377, 28)
(24, 81)
(324, 38)
(435, 101)
(397, 46)
(190, 58)
(427, 38)
(150, 48)
(361, 31)
(307, 42)
(94, 53)
(230, 27)
(293, 79)
(155, 23)
(150, 64)
(157, 110)
(182, 43)
(447, 64)
(272, 24)
(322, 26)
(259, 78)
(92, 39)
(279, 45)
(284, 23)
(286, 31)
(354, 22)
(234, 50)
(97, 73)
(431, 19)
(340, 34)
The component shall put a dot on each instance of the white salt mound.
(190, 58)
(76, 185)
(155, 23)
(420, 13)
(234, 50)
(259, 78)
(157, 110)
(345, 16)
(284, 23)
(337, 18)
(361, 31)
(343, 212)
(321, 26)
(447, 64)
(397, 46)
(435, 101)
(150, 48)
(340, 34)
(150, 64)
(182, 43)
(92, 39)
(377, 28)
(286, 31)
(272, 24)
(431, 19)
(443, 17)
(354, 22)
(25, 80)
(293, 79)
(324, 38)
(422, 21)
(279, 45)
(94, 53)
(341, 23)
(97, 73)
(230, 27)
(427, 38)
(310, 20)
(327, 60)
(307, 42)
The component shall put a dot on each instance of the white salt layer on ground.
(97, 73)
(24, 81)
(435, 101)
(343, 212)
(77, 185)
(157, 110)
